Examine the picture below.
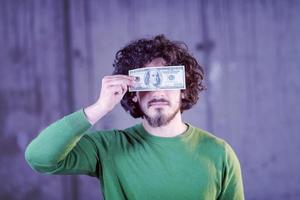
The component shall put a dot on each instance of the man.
(160, 158)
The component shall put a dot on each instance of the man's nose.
(157, 94)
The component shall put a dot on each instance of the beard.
(161, 119)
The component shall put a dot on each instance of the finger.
(124, 87)
(116, 89)
(120, 82)
(120, 76)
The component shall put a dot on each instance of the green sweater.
(132, 164)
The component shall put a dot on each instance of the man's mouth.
(158, 102)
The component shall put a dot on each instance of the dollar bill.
(158, 78)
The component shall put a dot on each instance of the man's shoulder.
(208, 139)
(212, 145)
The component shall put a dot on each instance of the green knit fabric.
(133, 164)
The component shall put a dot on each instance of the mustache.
(158, 100)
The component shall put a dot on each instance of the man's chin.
(153, 116)
(157, 112)
(158, 119)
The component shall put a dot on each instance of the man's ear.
(135, 99)
(182, 95)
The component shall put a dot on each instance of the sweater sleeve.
(232, 184)
(64, 148)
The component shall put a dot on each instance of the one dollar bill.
(158, 78)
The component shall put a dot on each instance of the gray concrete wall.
(54, 54)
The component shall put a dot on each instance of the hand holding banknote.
(113, 89)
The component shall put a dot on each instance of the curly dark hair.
(140, 52)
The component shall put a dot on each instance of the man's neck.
(173, 128)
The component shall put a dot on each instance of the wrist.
(95, 112)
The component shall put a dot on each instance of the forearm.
(57, 140)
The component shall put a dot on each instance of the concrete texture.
(54, 54)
